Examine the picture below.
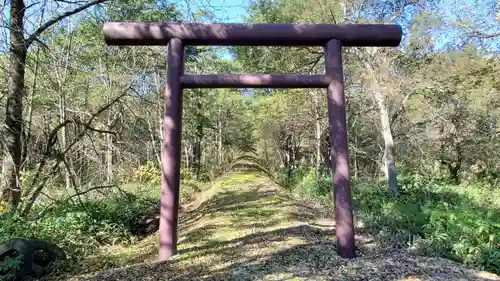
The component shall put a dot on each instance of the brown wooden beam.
(255, 81)
(130, 33)
(339, 151)
(171, 151)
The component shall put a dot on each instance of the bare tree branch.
(483, 35)
(58, 18)
(49, 150)
(70, 2)
(101, 131)
(315, 63)
(78, 194)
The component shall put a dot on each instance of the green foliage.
(188, 190)
(148, 173)
(186, 174)
(461, 223)
(305, 182)
(9, 264)
(205, 174)
(449, 219)
(80, 228)
(143, 10)
(27, 177)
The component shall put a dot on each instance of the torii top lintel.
(264, 34)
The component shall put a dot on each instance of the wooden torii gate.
(176, 36)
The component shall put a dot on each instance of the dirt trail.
(246, 228)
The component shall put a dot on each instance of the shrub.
(148, 173)
(188, 190)
(79, 229)
(309, 185)
(461, 223)
(449, 219)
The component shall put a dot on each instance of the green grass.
(245, 227)
(95, 224)
(236, 206)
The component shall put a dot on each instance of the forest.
(82, 125)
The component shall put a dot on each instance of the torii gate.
(176, 36)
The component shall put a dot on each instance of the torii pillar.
(177, 36)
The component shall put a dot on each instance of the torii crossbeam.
(176, 36)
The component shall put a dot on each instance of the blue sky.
(481, 13)
(227, 11)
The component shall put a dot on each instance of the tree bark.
(16, 86)
(389, 151)
(14, 107)
(109, 154)
(325, 148)
(318, 137)
(220, 156)
(61, 79)
(197, 155)
(199, 136)
(355, 156)
(4, 191)
(186, 153)
(64, 134)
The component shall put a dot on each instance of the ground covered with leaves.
(245, 227)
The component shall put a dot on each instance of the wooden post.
(171, 151)
(339, 150)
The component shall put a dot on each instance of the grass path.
(244, 227)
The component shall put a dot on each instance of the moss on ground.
(244, 227)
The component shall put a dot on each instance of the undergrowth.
(459, 222)
(431, 215)
(81, 227)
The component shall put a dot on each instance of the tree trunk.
(63, 136)
(199, 136)
(318, 137)
(14, 107)
(389, 151)
(453, 165)
(109, 156)
(4, 191)
(355, 156)
(325, 148)
(16, 74)
(220, 152)
(186, 152)
(197, 157)
(289, 156)
(69, 174)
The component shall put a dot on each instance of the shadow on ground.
(251, 230)
(312, 258)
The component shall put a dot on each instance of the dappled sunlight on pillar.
(170, 151)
